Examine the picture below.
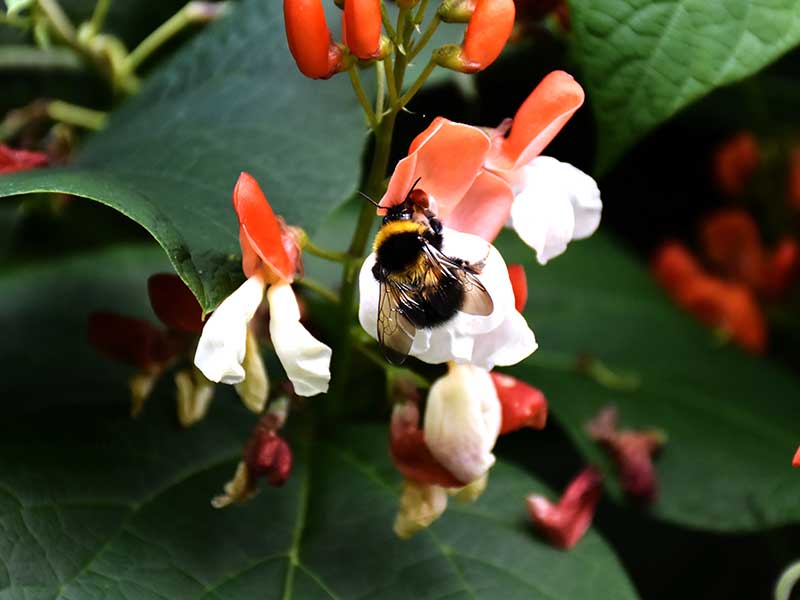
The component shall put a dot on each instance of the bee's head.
(416, 203)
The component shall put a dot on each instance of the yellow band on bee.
(395, 227)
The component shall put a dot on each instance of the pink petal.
(541, 117)
(519, 283)
(447, 157)
(483, 210)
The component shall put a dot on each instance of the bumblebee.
(420, 287)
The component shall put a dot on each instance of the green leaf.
(232, 100)
(94, 504)
(644, 61)
(732, 420)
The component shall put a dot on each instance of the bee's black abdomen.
(440, 303)
(399, 251)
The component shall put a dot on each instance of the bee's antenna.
(368, 199)
(413, 186)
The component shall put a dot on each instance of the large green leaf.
(644, 61)
(733, 421)
(232, 100)
(96, 505)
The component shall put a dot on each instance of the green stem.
(380, 75)
(31, 57)
(387, 24)
(64, 112)
(99, 16)
(423, 6)
(60, 22)
(192, 12)
(787, 581)
(331, 255)
(403, 37)
(14, 21)
(426, 36)
(415, 87)
(318, 288)
(355, 79)
(390, 83)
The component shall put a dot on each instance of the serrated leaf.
(232, 100)
(644, 61)
(731, 419)
(94, 504)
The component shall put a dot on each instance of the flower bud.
(523, 405)
(361, 28)
(420, 505)
(487, 32)
(565, 523)
(309, 38)
(456, 11)
(632, 452)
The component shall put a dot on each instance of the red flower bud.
(565, 523)
(409, 452)
(519, 284)
(523, 405)
(309, 38)
(361, 27)
(487, 32)
(735, 162)
(632, 452)
(174, 303)
(12, 160)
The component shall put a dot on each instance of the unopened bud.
(309, 38)
(456, 11)
(361, 28)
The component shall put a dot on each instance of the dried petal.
(565, 523)
(132, 341)
(174, 303)
(420, 505)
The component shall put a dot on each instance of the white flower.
(222, 347)
(501, 338)
(462, 421)
(554, 203)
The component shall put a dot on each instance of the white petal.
(462, 421)
(222, 345)
(507, 345)
(254, 390)
(556, 203)
(307, 361)
(462, 338)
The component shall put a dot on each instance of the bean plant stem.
(355, 80)
(318, 288)
(331, 255)
(166, 31)
(415, 87)
(787, 581)
(425, 37)
(64, 112)
(99, 16)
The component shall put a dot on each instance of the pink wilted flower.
(565, 523)
(153, 350)
(12, 160)
(270, 259)
(632, 452)
(500, 176)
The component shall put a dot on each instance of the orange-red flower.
(632, 452)
(796, 459)
(564, 524)
(732, 244)
(523, 405)
(12, 160)
(361, 27)
(735, 162)
(310, 41)
(726, 305)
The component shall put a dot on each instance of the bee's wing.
(477, 300)
(395, 331)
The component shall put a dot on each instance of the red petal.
(260, 227)
(674, 267)
(732, 244)
(796, 459)
(174, 303)
(129, 340)
(782, 268)
(12, 160)
(361, 27)
(268, 455)
(310, 39)
(484, 209)
(565, 523)
(523, 405)
(447, 156)
(409, 452)
(519, 283)
(487, 32)
(541, 117)
(735, 163)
